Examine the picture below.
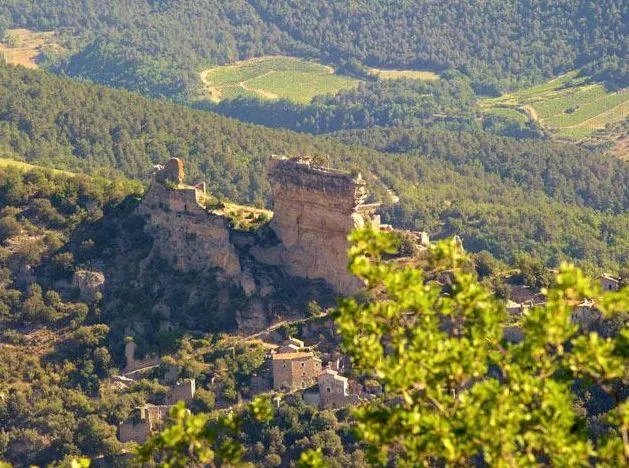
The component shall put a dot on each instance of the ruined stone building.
(333, 390)
(183, 391)
(293, 345)
(144, 421)
(295, 370)
(133, 363)
(189, 237)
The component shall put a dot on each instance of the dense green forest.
(497, 43)
(155, 46)
(553, 200)
(158, 46)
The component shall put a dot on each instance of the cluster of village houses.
(296, 368)
(584, 313)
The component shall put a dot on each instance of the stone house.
(584, 314)
(609, 282)
(295, 371)
(333, 390)
(142, 423)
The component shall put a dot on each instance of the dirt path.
(214, 92)
(532, 113)
(395, 199)
(265, 94)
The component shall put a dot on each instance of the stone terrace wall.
(314, 211)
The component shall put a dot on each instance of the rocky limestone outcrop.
(261, 277)
(315, 209)
(89, 283)
(186, 235)
(171, 172)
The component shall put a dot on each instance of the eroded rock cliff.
(315, 209)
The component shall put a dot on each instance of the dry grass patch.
(24, 47)
(390, 74)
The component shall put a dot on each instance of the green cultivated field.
(569, 106)
(274, 78)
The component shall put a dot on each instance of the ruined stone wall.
(134, 364)
(184, 392)
(143, 422)
(314, 211)
(184, 234)
(131, 431)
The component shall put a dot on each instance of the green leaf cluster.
(456, 391)
(201, 439)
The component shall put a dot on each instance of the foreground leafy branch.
(200, 439)
(456, 391)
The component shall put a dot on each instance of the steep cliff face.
(273, 273)
(315, 209)
(188, 237)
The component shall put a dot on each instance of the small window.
(302, 364)
(328, 389)
(284, 365)
(303, 374)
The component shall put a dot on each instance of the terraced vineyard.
(274, 78)
(569, 106)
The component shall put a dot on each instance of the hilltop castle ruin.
(315, 209)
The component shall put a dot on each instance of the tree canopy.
(158, 46)
(499, 194)
(456, 390)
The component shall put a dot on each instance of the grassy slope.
(8, 162)
(391, 74)
(569, 106)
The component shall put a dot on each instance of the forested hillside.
(158, 46)
(152, 46)
(553, 200)
(496, 42)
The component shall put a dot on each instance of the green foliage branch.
(455, 389)
(204, 439)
